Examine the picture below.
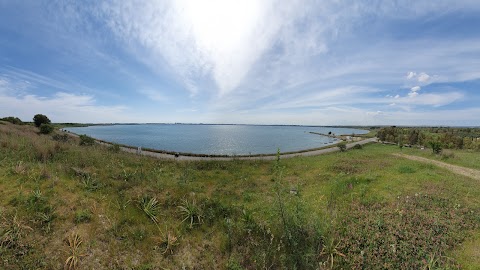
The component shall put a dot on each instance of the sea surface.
(216, 139)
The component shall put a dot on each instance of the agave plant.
(167, 241)
(74, 242)
(331, 251)
(191, 212)
(151, 207)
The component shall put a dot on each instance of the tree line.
(445, 137)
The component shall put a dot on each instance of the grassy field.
(93, 207)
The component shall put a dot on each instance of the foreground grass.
(96, 208)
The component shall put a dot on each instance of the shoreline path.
(270, 157)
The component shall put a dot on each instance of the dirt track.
(472, 173)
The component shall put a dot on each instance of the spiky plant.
(331, 251)
(191, 212)
(74, 242)
(168, 240)
(11, 232)
(151, 207)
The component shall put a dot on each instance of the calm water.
(216, 139)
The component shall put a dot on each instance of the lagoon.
(216, 139)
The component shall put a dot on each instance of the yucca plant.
(151, 207)
(167, 240)
(191, 212)
(74, 242)
(331, 251)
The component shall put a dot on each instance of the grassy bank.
(93, 207)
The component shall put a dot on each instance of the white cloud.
(423, 77)
(412, 94)
(397, 96)
(415, 89)
(411, 75)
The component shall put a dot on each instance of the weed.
(115, 148)
(20, 168)
(447, 155)
(330, 250)
(73, 242)
(191, 212)
(90, 183)
(406, 169)
(83, 216)
(168, 241)
(86, 140)
(150, 206)
(46, 220)
(60, 137)
(11, 232)
(342, 146)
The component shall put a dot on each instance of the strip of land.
(270, 157)
(472, 173)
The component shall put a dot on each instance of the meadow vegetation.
(68, 203)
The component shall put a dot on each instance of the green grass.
(364, 208)
(465, 158)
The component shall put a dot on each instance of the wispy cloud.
(367, 61)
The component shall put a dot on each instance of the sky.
(242, 62)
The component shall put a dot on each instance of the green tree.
(40, 119)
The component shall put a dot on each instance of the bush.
(60, 137)
(46, 128)
(40, 119)
(342, 146)
(13, 120)
(358, 146)
(86, 140)
(436, 147)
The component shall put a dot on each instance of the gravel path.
(272, 157)
(472, 173)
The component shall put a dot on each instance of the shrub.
(357, 146)
(436, 147)
(114, 148)
(86, 140)
(40, 119)
(342, 146)
(60, 137)
(46, 128)
(13, 120)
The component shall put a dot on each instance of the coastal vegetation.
(434, 137)
(69, 204)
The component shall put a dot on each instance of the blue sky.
(258, 62)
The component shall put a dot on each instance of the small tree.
(40, 119)
(46, 128)
(436, 147)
